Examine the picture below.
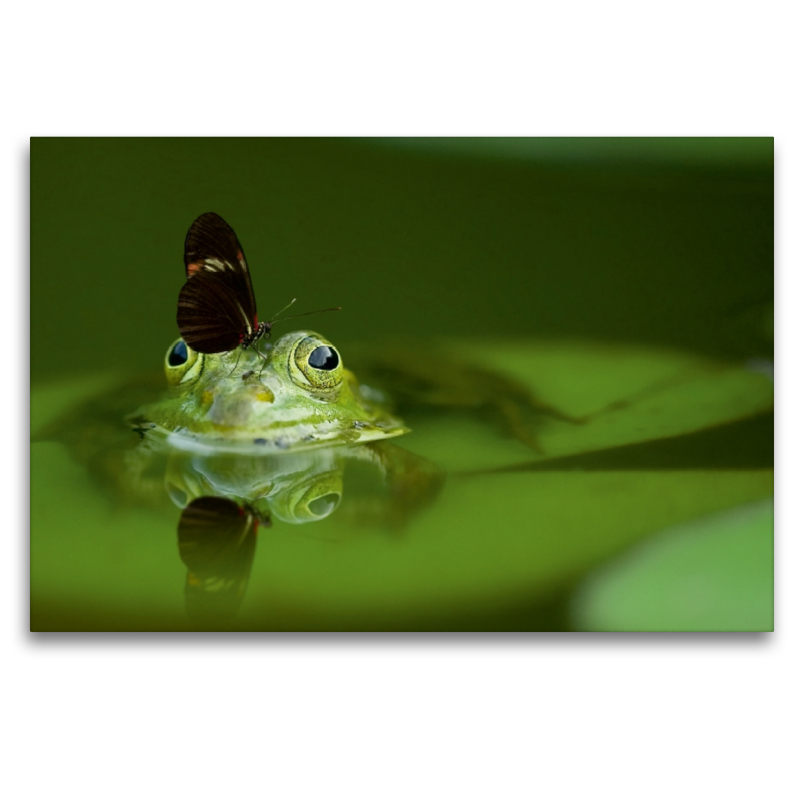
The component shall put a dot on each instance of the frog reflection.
(386, 486)
(391, 484)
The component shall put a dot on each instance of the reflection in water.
(220, 518)
(300, 488)
(217, 542)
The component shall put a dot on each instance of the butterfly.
(216, 306)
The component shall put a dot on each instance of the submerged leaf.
(618, 395)
(714, 574)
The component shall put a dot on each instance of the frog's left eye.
(319, 365)
(182, 365)
(323, 357)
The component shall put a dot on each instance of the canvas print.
(401, 384)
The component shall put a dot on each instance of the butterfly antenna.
(278, 318)
(306, 313)
(288, 305)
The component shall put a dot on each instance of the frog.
(289, 396)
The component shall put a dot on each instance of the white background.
(551, 716)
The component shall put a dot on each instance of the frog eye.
(319, 365)
(182, 365)
(178, 355)
(323, 357)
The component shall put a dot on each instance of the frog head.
(295, 395)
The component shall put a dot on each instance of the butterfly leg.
(264, 364)
(236, 364)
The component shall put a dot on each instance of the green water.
(595, 280)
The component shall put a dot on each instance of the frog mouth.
(283, 440)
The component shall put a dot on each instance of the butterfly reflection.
(217, 543)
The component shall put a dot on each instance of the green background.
(661, 241)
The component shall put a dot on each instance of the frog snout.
(237, 410)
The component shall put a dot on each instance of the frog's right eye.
(182, 364)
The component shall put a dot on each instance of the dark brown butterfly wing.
(212, 246)
(211, 315)
(217, 543)
(217, 307)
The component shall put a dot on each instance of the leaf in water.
(715, 574)
(626, 395)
